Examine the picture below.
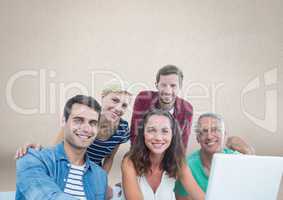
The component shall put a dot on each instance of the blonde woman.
(112, 129)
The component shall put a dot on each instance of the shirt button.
(64, 180)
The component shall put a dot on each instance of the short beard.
(165, 105)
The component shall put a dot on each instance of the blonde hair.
(115, 88)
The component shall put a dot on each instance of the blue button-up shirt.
(43, 175)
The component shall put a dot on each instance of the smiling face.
(210, 136)
(81, 127)
(157, 134)
(168, 88)
(114, 105)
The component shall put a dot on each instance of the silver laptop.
(244, 177)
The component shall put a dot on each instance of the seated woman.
(112, 129)
(150, 168)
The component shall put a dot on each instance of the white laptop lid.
(244, 177)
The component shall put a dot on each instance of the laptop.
(244, 177)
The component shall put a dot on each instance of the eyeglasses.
(215, 131)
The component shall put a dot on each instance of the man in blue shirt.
(65, 171)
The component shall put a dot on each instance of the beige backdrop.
(231, 53)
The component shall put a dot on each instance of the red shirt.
(148, 100)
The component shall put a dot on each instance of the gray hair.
(214, 116)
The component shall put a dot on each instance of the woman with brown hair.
(150, 168)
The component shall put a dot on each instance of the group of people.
(155, 168)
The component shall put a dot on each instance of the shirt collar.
(61, 155)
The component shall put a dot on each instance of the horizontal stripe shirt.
(100, 149)
(74, 184)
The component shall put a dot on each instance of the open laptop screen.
(244, 177)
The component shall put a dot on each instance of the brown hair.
(81, 99)
(174, 154)
(170, 69)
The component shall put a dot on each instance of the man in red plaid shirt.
(169, 81)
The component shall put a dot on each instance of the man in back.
(169, 80)
(64, 171)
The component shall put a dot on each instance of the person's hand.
(23, 150)
(109, 194)
(238, 144)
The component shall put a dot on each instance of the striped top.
(74, 184)
(100, 149)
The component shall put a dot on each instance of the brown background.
(218, 44)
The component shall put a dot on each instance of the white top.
(165, 190)
(74, 184)
(171, 111)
